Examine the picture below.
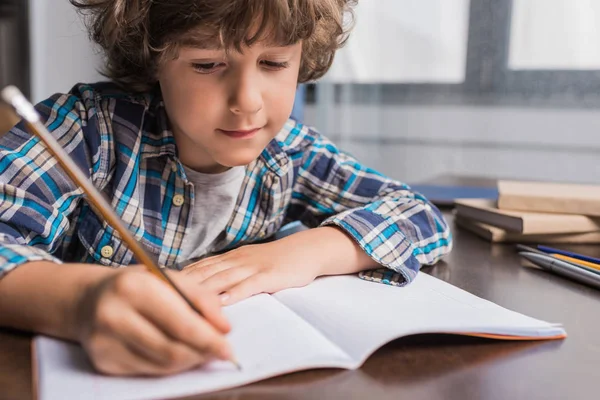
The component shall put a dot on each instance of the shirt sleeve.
(36, 196)
(397, 227)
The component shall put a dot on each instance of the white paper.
(267, 340)
(361, 316)
(333, 322)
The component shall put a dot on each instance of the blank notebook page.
(360, 315)
(335, 322)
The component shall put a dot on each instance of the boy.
(192, 145)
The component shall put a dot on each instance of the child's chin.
(239, 158)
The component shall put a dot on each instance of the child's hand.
(253, 269)
(296, 260)
(131, 323)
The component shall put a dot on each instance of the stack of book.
(534, 212)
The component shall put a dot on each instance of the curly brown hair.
(137, 35)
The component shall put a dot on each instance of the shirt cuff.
(13, 255)
(380, 238)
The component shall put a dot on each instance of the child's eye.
(275, 65)
(206, 68)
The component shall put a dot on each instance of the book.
(526, 222)
(445, 195)
(549, 197)
(335, 322)
(498, 235)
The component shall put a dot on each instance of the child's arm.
(364, 220)
(128, 321)
(37, 198)
(293, 261)
(396, 227)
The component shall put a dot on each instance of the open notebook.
(333, 322)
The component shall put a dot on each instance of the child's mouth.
(241, 133)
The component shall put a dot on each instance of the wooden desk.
(434, 367)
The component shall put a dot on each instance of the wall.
(61, 54)
(414, 143)
(407, 142)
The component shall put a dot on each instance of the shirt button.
(107, 251)
(174, 167)
(178, 200)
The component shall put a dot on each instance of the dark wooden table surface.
(438, 367)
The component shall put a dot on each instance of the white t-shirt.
(215, 196)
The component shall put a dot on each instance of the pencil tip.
(237, 364)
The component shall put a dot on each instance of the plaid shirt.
(124, 145)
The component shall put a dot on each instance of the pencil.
(563, 268)
(13, 97)
(577, 261)
(578, 256)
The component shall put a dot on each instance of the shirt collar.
(157, 136)
(275, 158)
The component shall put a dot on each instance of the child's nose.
(246, 97)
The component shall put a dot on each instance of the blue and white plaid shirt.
(124, 145)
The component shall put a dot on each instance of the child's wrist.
(88, 284)
(42, 296)
(320, 247)
(337, 253)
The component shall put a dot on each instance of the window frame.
(488, 78)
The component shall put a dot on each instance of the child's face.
(225, 108)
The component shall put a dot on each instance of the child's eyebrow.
(213, 43)
(202, 41)
(217, 47)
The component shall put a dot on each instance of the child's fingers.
(205, 262)
(120, 359)
(200, 275)
(112, 357)
(259, 283)
(137, 364)
(208, 303)
(149, 342)
(225, 280)
(170, 313)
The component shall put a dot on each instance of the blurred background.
(490, 88)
